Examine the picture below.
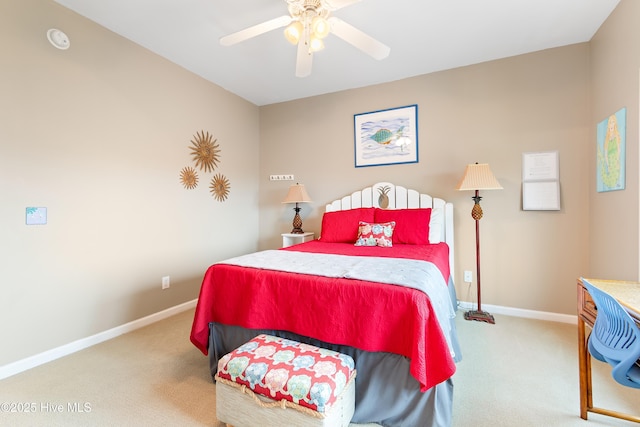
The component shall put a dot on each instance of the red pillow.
(342, 226)
(412, 225)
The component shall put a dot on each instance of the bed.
(378, 285)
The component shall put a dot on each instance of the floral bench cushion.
(283, 369)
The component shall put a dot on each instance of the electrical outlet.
(166, 282)
(468, 277)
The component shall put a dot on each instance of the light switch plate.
(281, 177)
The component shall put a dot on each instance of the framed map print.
(611, 152)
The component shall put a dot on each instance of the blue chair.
(615, 339)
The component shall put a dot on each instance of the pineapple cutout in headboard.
(383, 199)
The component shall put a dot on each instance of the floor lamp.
(478, 177)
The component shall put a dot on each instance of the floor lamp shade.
(297, 194)
(478, 177)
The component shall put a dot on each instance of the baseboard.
(64, 350)
(520, 312)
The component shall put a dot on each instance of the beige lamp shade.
(297, 194)
(478, 177)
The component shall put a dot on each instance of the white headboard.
(400, 198)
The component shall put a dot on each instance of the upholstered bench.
(271, 381)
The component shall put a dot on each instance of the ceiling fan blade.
(357, 38)
(339, 4)
(255, 30)
(304, 60)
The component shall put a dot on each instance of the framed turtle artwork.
(386, 137)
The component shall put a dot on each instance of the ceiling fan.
(308, 22)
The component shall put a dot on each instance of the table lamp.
(297, 194)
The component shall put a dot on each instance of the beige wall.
(98, 134)
(491, 112)
(613, 220)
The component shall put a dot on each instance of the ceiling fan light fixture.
(315, 44)
(293, 32)
(320, 27)
(306, 25)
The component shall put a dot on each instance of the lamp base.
(480, 316)
(297, 222)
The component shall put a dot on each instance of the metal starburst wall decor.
(205, 151)
(220, 187)
(189, 177)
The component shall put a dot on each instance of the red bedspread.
(366, 315)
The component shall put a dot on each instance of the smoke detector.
(58, 39)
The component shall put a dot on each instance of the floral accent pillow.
(375, 234)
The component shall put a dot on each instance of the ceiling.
(424, 36)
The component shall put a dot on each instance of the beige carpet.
(518, 372)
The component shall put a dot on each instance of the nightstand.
(289, 239)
